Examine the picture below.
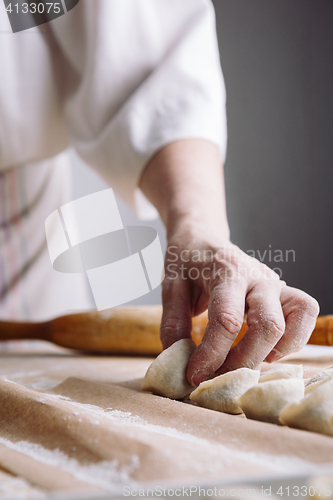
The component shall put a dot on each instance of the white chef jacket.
(115, 79)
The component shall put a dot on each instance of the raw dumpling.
(318, 379)
(314, 413)
(220, 392)
(282, 371)
(266, 400)
(166, 376)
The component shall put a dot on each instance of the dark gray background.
(277, 61)
(278, 69)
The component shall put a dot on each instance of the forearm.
(184, 181)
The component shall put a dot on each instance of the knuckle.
(275, 326)
(167, 336)
(224, 273)
(310, 306)
(302, 302)
(306, 304)
(230, 322)
(314, 307)
(271, 326)
(173, 329)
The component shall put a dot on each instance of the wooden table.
(80, 424)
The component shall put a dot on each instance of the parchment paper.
(95, 431)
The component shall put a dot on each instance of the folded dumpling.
(166, 376)
(319, 379)
(266, 400)
(220, 392)
(282, 371)
(314, 412)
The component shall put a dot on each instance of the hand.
(201, 273)
(203, 269)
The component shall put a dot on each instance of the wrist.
(190, 227)
(185, 183)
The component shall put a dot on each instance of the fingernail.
(199, 377)
(273, 356)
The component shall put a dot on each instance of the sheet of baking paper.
(81, 424)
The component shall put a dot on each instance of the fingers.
(176, 321)
(280, 319)
(300, 311)
(226, 313)
(266, 327)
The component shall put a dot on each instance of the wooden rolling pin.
(124, 330)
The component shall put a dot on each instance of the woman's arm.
(204, 269)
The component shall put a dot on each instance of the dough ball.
(266, 400)
(220, 392)
(282, 371)
(166, 376)
(318, 379)
(314, 412)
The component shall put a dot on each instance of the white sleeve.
(148, 73)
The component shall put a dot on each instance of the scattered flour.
(107, 475)
(59, 396)
(16, 488)
(7, 380)
(279, 463)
